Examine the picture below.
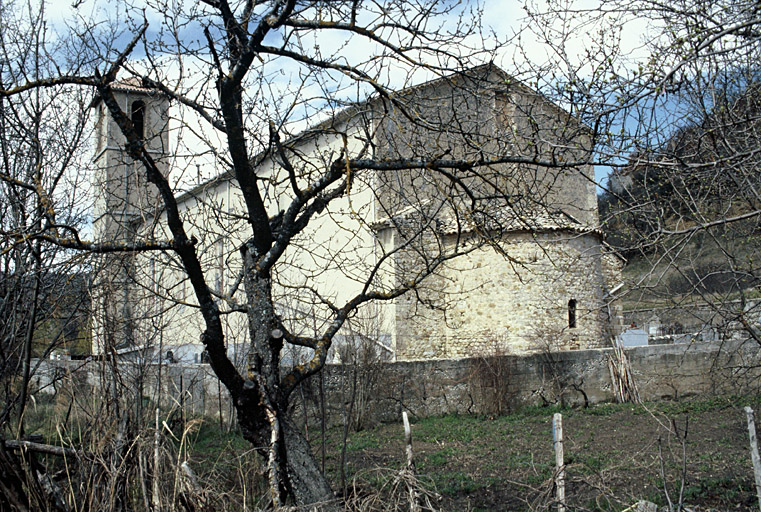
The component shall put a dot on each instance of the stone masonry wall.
(476, 385)
(467, 386)
(491, 304)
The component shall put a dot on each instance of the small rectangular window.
(572, 313)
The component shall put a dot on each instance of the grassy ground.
(614, 454)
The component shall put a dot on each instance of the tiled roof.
(499, 218)
(132, 84)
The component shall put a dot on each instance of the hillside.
(685, 211)
(691, 277)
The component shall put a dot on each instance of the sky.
(538, 45)
(508, 20)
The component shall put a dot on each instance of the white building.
(535, 275)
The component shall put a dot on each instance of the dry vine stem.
(621, 377)
(156, 464)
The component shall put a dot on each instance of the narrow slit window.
(572, 313)
(138, 118)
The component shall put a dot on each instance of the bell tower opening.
(138, 118)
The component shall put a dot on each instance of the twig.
(43, 448)
(663, 475)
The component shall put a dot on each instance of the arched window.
(572, 313)
(138, 118)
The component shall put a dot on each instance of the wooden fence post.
(410, 469)
(557, 438)
(754, 451)
(408, 441)
(156, 498)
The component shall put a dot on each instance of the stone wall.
(572, 378)
(472, 386)
(488, 303)
(191, 389)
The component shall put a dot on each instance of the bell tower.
(125, 205)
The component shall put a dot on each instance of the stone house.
(533, 273)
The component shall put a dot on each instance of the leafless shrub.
(386, 490)
(562, 385)
(491, 380)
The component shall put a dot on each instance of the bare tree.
(43, 301)
(670, 91)
(449, 168)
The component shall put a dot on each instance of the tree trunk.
(305, 479)
(299, 472)
(263, 405)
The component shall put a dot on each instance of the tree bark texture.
(263, 405)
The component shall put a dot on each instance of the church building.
(532, 272)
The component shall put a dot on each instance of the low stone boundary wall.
(495, 385)
(490, 385)
(191, 389)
